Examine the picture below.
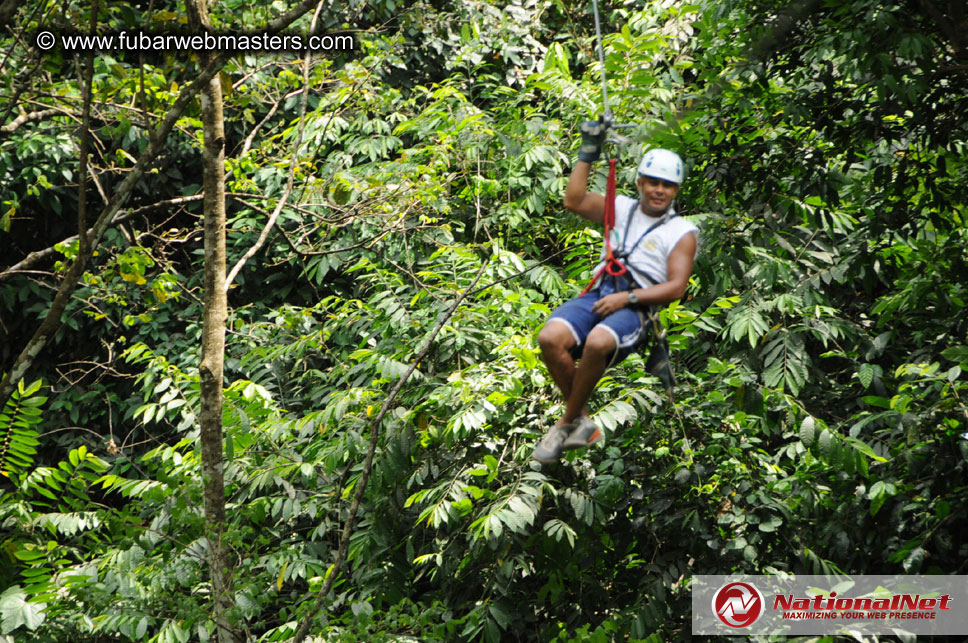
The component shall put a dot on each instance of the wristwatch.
(633, 299)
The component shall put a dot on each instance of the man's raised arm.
(578, 199)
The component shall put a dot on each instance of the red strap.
(612, 265)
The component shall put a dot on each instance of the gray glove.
(592, 136)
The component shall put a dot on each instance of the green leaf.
(808, 431)
(864, 448)
(880, 491)
(875, 400)
(490, 462)
(29, 555)
(770, 524)
(493, 525)
(613, 414)
(559, 529)
(502, 617)
(747, 321)
(912, 564)
(29, 390)
(957, 354)
(829, 447)
(942, 509)
(786, 361)
(16, 611)
(866, 374)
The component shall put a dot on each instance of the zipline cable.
(612, 265)
(601, 60)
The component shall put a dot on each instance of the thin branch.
(260, 68)
(40, 255)
(293, 162)
(24, 118)
(247, 144)
(97, 183)
(951, 68)
(71, 428)
(344, 542)
(366, 243)
(345, 217)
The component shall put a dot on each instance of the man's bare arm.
(679, 268)
(579, 200)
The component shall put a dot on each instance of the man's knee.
(555, 336)
(600, 342)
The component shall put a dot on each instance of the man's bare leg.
(555, 340)
(594, 360)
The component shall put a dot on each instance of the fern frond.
(785, 360)
(746, 321)
(18, 437)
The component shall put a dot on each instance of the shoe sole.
(549, 459)
(595, 438)
(545, 461)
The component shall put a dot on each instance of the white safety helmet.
(662, 164)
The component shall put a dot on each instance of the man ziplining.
(647, 258)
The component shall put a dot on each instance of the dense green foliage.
(820, 422)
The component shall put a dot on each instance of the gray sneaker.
(549, 449)
(586, 433)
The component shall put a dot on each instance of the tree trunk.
(213, 342)
(213, 356)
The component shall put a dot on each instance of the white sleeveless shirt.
(651, 255)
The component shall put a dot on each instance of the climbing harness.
(653, 332)
(614, 265)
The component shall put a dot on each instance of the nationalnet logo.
(791, 604)
(896, 607)
(738, 604)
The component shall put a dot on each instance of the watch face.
(632, 298)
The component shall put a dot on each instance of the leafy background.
(820, 421)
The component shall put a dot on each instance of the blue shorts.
(627, 326)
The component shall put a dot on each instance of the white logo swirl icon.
(738, 604)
